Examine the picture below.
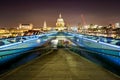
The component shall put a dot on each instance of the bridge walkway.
(60, 64)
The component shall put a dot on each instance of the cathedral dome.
(60, 22)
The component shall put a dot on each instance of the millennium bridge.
(60, 56)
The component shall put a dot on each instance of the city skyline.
(101, 12)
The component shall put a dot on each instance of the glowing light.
(117, 25)
(86, 26)
(77, 40)
(38, 41)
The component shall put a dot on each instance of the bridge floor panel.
(60, 65)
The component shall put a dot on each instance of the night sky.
(102, 12)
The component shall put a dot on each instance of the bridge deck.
(60, 65)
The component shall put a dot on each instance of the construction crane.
(84, 27)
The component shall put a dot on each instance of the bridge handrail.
(84, 49)
(37, 48)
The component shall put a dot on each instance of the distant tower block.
(45, 27)
(60, 25)
(45, 24)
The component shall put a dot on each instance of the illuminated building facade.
(26, 26)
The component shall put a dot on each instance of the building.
(45, 27)
(60, 24)
(117, 25)
(26, 26)
(45, 24)
(4, 33)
